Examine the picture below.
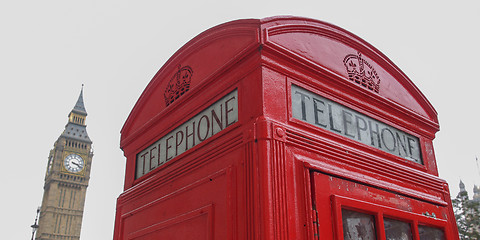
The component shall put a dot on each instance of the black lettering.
(152, 156)
(376, 133)
(347, 120)
(143, 156)
(410, 145)
(392, 149)
(304, 110)
(143, 161)
(200, 128)
(177, 141)
(189, 135)
(357, 121)
(330, 113)
(215, 117)
(316, 110)
(167, 146)
(227, 110)
(401, 144)
(158, 154)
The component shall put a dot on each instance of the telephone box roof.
(317, 45)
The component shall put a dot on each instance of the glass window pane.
(358, 226)
(430, 233)
(397, 230)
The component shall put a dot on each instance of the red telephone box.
(281, 128)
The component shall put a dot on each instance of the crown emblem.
(179, 84)
(361, 72)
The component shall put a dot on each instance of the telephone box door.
(350, 210)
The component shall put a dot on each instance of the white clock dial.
(74, 163)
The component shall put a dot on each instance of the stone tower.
(476, 193)
(66, 179)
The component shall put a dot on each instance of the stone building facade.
(66, 179)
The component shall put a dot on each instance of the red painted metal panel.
(207, 56)
(271, 174)
(330, 193)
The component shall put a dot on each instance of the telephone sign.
(327, 114)
(199, 128)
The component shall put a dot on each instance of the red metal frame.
(379, 212)
(270, 175)
(377, 202)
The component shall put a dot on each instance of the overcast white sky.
(49, 48)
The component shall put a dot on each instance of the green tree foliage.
(467, 215)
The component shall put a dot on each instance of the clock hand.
(78, 165)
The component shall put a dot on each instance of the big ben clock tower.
(66, 179)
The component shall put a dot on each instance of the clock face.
(74, 163)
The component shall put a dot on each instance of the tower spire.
(462, 186)
(80, 106)
(76, 126)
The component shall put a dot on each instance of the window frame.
(380, 212)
